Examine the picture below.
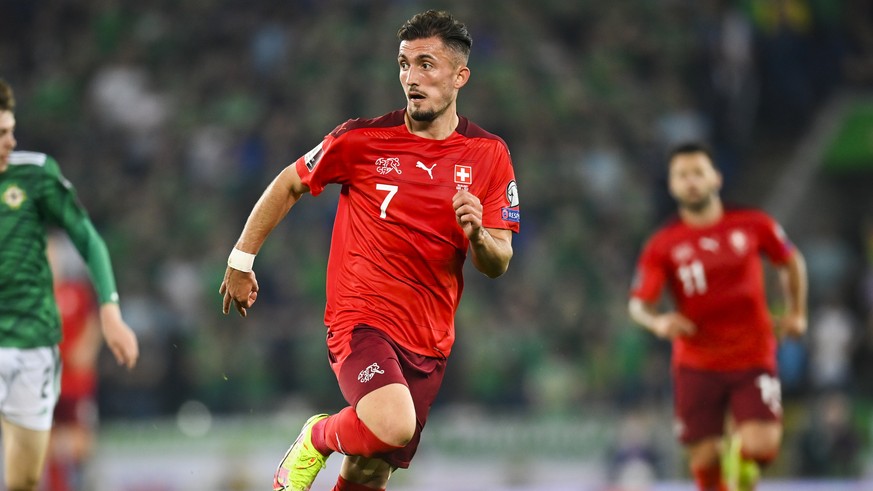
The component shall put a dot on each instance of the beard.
(425, 115)
(696, 206)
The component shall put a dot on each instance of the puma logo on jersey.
(419, 165)
(368, 373)
(708, 244)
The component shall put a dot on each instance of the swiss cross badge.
(463, 176)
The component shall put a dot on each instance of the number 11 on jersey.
(693, 278)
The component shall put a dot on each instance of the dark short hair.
(7, 99)
(689, 148)
(441, 24)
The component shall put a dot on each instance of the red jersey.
(76, 305)
(397, 251)
(716, 279)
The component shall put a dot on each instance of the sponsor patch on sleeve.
(510, 214)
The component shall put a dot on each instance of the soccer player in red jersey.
(724, 347)
(75, 414)
(421, 187)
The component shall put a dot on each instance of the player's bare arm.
(491, 247)
(241, 287)
(667, 325)
(794, 287)
(118, 335)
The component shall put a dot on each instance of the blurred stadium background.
(172, 116)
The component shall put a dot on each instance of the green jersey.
(33, 195)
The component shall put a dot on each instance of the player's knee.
(704, 454)
(761, 452)
(399, 432)
(697, 462)
(762, 444)
(389, 413)
(757, 449)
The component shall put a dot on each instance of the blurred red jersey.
(716, 279)
(397, 252)
(76, 305)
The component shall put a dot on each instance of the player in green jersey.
(33, 196)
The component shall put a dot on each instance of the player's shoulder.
(666, 234)
(33, 161)
(21, 157)
(668, 227)
(738, 213)
(471, 130)
(389, 120)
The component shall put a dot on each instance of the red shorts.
(703, 398)
(376, 361)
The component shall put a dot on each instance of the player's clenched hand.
(793, 325)
(239, 288)
(672, 325)
(468, 212)
(118, 335)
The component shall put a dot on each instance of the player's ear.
(462, 76)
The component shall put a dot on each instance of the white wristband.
(241, 260)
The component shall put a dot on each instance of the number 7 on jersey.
(392, 190)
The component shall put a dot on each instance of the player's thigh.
(370, 472)
(24, 454)
(372, 380)
(700, 402)
(371, 364)
(28, 402)
(756, 408)
(31, 394)
(404, 386)
(756, 395)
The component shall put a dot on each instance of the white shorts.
(30, 382)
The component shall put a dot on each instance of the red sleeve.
(500, 207)
(75, 301)
(772, 239)
(650, 275)
(322, 165)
